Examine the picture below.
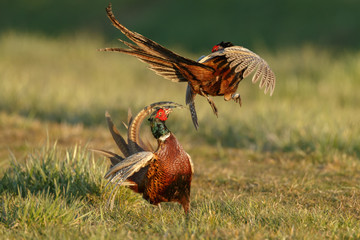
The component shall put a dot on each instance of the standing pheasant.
(163, 175)
(217, 74)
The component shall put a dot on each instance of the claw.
(236, 97)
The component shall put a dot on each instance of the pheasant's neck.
(159, 130)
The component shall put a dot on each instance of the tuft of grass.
(40, 210)
(43, 172)
(48, 190)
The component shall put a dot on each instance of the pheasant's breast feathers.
(173, 157)
(169, 176)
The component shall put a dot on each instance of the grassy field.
(280, 167)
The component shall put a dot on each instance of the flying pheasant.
(161, 175)
(217, 74)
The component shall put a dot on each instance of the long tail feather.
(190, 97)
(161, 60)
(159, 65)
(145, 43)
(114, 158)
(119, 140)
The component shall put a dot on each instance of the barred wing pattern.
(129, 166)
(119, 173)
(242, 59)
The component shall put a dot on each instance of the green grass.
(280, 167)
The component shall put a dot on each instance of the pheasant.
(163, 175)
(217, 74)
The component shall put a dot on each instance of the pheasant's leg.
(212, 104)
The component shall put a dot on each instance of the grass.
(285, 167)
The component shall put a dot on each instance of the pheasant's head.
(162, 114)
(157, 122)
(221, 46)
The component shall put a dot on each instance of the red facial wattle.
(215, 48)
(161, 114)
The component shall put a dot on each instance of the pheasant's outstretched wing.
(242, 59)
(161, 60)
(243, 62)
(126, 168)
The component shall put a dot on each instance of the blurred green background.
(196, 25)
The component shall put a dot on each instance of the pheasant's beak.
(167, 111)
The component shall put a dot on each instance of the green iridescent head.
(157, 122)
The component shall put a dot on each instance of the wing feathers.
(243, 59)
(130, 165)
(250, 68)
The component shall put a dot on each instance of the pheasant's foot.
(236, 97)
